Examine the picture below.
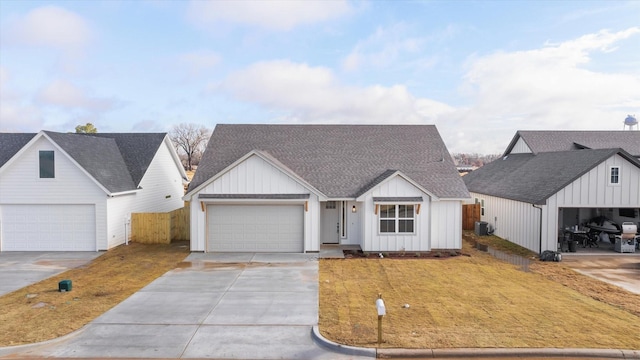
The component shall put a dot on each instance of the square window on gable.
(614, 175)
(47, 164)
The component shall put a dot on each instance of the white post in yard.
(381, 312)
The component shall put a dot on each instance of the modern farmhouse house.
(550, 181)
(291, 188)
(75, 192)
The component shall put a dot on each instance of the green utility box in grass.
(64, 285)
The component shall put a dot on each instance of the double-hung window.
(397, 219)
(614, 175)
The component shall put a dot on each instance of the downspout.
(540, 230)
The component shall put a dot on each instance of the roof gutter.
(540, 229)
(124, 193)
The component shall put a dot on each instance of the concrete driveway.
(19, 269)
(232, 306)
(622, 270)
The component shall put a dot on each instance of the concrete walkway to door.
(231, 306)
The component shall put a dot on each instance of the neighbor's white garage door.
(255, 228)
(48, 228)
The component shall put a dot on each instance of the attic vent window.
(47, 165)
(614, 175)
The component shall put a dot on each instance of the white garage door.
(48, 228)
(255, 228)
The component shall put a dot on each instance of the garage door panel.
(48, 228)
(255, 228)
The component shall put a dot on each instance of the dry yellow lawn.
(466, 301)
(39, 312)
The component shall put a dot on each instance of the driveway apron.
(238, 306)
(622, 270)
(20, 269)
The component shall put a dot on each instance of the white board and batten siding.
(516, 221)
(592, 190)
(254, 175)
(70, 187)
(373, 240)
(161, 191)
(446, 224)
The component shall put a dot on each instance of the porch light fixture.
(353, 209)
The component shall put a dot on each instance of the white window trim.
(397, 218)
(343, 220)
(609, 175)
(481, 202)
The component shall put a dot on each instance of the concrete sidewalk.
(232, 306)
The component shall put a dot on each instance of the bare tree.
(191, 140)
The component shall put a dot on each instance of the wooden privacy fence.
(160, 228)
(470, 214)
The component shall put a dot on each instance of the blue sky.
(478, 70)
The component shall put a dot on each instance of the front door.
(330, 222)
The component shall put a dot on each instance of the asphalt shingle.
(534, 178)
(118, 161)
(11, 143)
(100, 157)
(549, 141)
(340, 160)
(137, 149)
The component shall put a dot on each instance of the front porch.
(335, 251)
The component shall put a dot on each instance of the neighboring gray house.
(75, 192)
(532, 141)
(547, 181)
(291, 188)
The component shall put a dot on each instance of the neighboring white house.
(75, 192)
(548, 181)
(291, 188)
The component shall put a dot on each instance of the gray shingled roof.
(118, 161)
(534, 178)
(11, 143)
(137, 149)
(340, 160)
(548, 141)
(100, 157)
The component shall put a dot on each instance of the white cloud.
(382, 48)
(49, 26)
(16, 114)
(199, 61)
(388, 45)
(313, 94)
(546, 88)
(281, 15)
(61, 93)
